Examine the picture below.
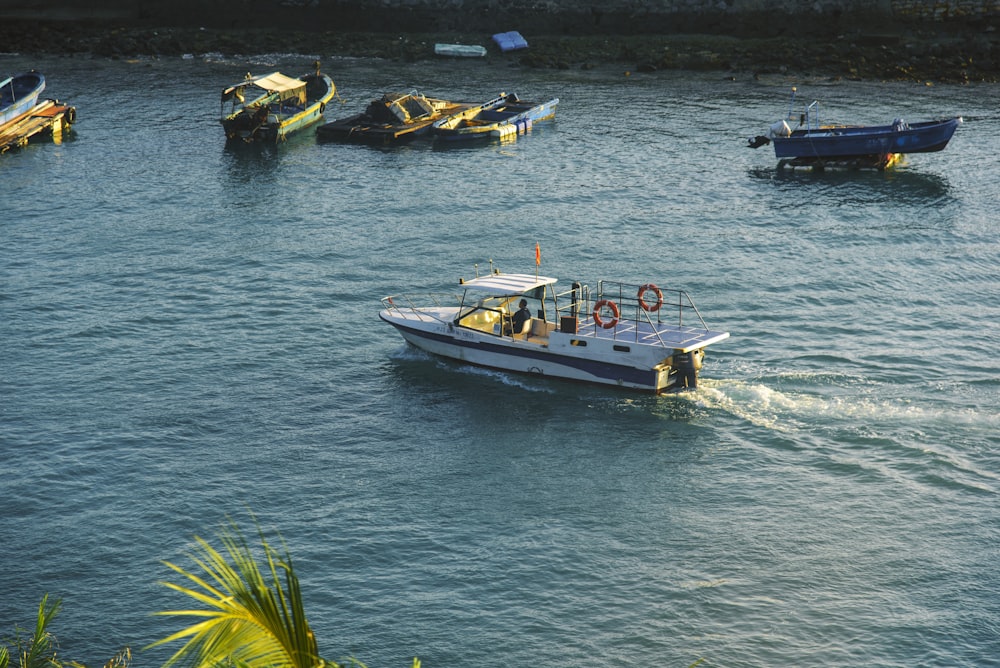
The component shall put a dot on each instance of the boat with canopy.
(269, 107)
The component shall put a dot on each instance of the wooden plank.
(48, 116)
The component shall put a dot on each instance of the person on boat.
(522, 316)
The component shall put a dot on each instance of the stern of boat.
(682, 371)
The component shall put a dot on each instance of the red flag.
(538, 255)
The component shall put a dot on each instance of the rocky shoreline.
(969, 56)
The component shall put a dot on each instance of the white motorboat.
(636, 336)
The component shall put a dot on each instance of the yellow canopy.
(286, 87)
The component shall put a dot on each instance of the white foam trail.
(783, 411)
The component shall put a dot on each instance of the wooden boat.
(504, 116)
(278, 106)
(392, 118)
(19, 95)
(880, 146)
(49, 118)
(640, 337)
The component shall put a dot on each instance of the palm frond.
(40, 650)
(121, 660)
(253, 616)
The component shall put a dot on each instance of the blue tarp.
(510, 41)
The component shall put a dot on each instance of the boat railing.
(403, 304)
(809, 116)
(648, 304)
(579, 299)
(812, 116)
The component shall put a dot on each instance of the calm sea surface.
(190, 331)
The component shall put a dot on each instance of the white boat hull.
(600, 360)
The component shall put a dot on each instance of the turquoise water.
(190, 331)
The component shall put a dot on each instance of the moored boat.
(814, 144)
(504, 116)
(641, 337)
(48, 118)
(19, 95)
(278, 105)
(391, 118)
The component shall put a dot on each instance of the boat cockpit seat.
(525, 330)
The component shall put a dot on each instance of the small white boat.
(460, 50)
(633, 336)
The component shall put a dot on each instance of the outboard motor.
(684, 371)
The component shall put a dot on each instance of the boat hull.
(509, 357)
(502, 117)
(864, 142)
(358, 129)
(648, 370)
(377, 125)
(19, 95)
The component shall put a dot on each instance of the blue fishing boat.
(504, 116)
(267, 108)
(811, 143)
(19, 95)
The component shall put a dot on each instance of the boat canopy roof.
(507, 284)
(286, 87)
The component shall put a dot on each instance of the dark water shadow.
(899, 185)
(257, 163)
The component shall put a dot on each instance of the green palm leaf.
(41, 649)
(253, 615)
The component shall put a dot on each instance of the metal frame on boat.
(642, 337)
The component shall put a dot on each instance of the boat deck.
(645, 333)
(652, 334)
(48, 117)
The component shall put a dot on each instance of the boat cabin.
(275, 92)
(489, 303)
(400, 108)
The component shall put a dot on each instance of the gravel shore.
(973, 56)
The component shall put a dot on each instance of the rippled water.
(190, 331)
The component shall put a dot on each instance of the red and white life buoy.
(649, 287)
(614, 313)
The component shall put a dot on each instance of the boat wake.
(789, 411)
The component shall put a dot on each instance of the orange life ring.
(614, 313)
(659, 298)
